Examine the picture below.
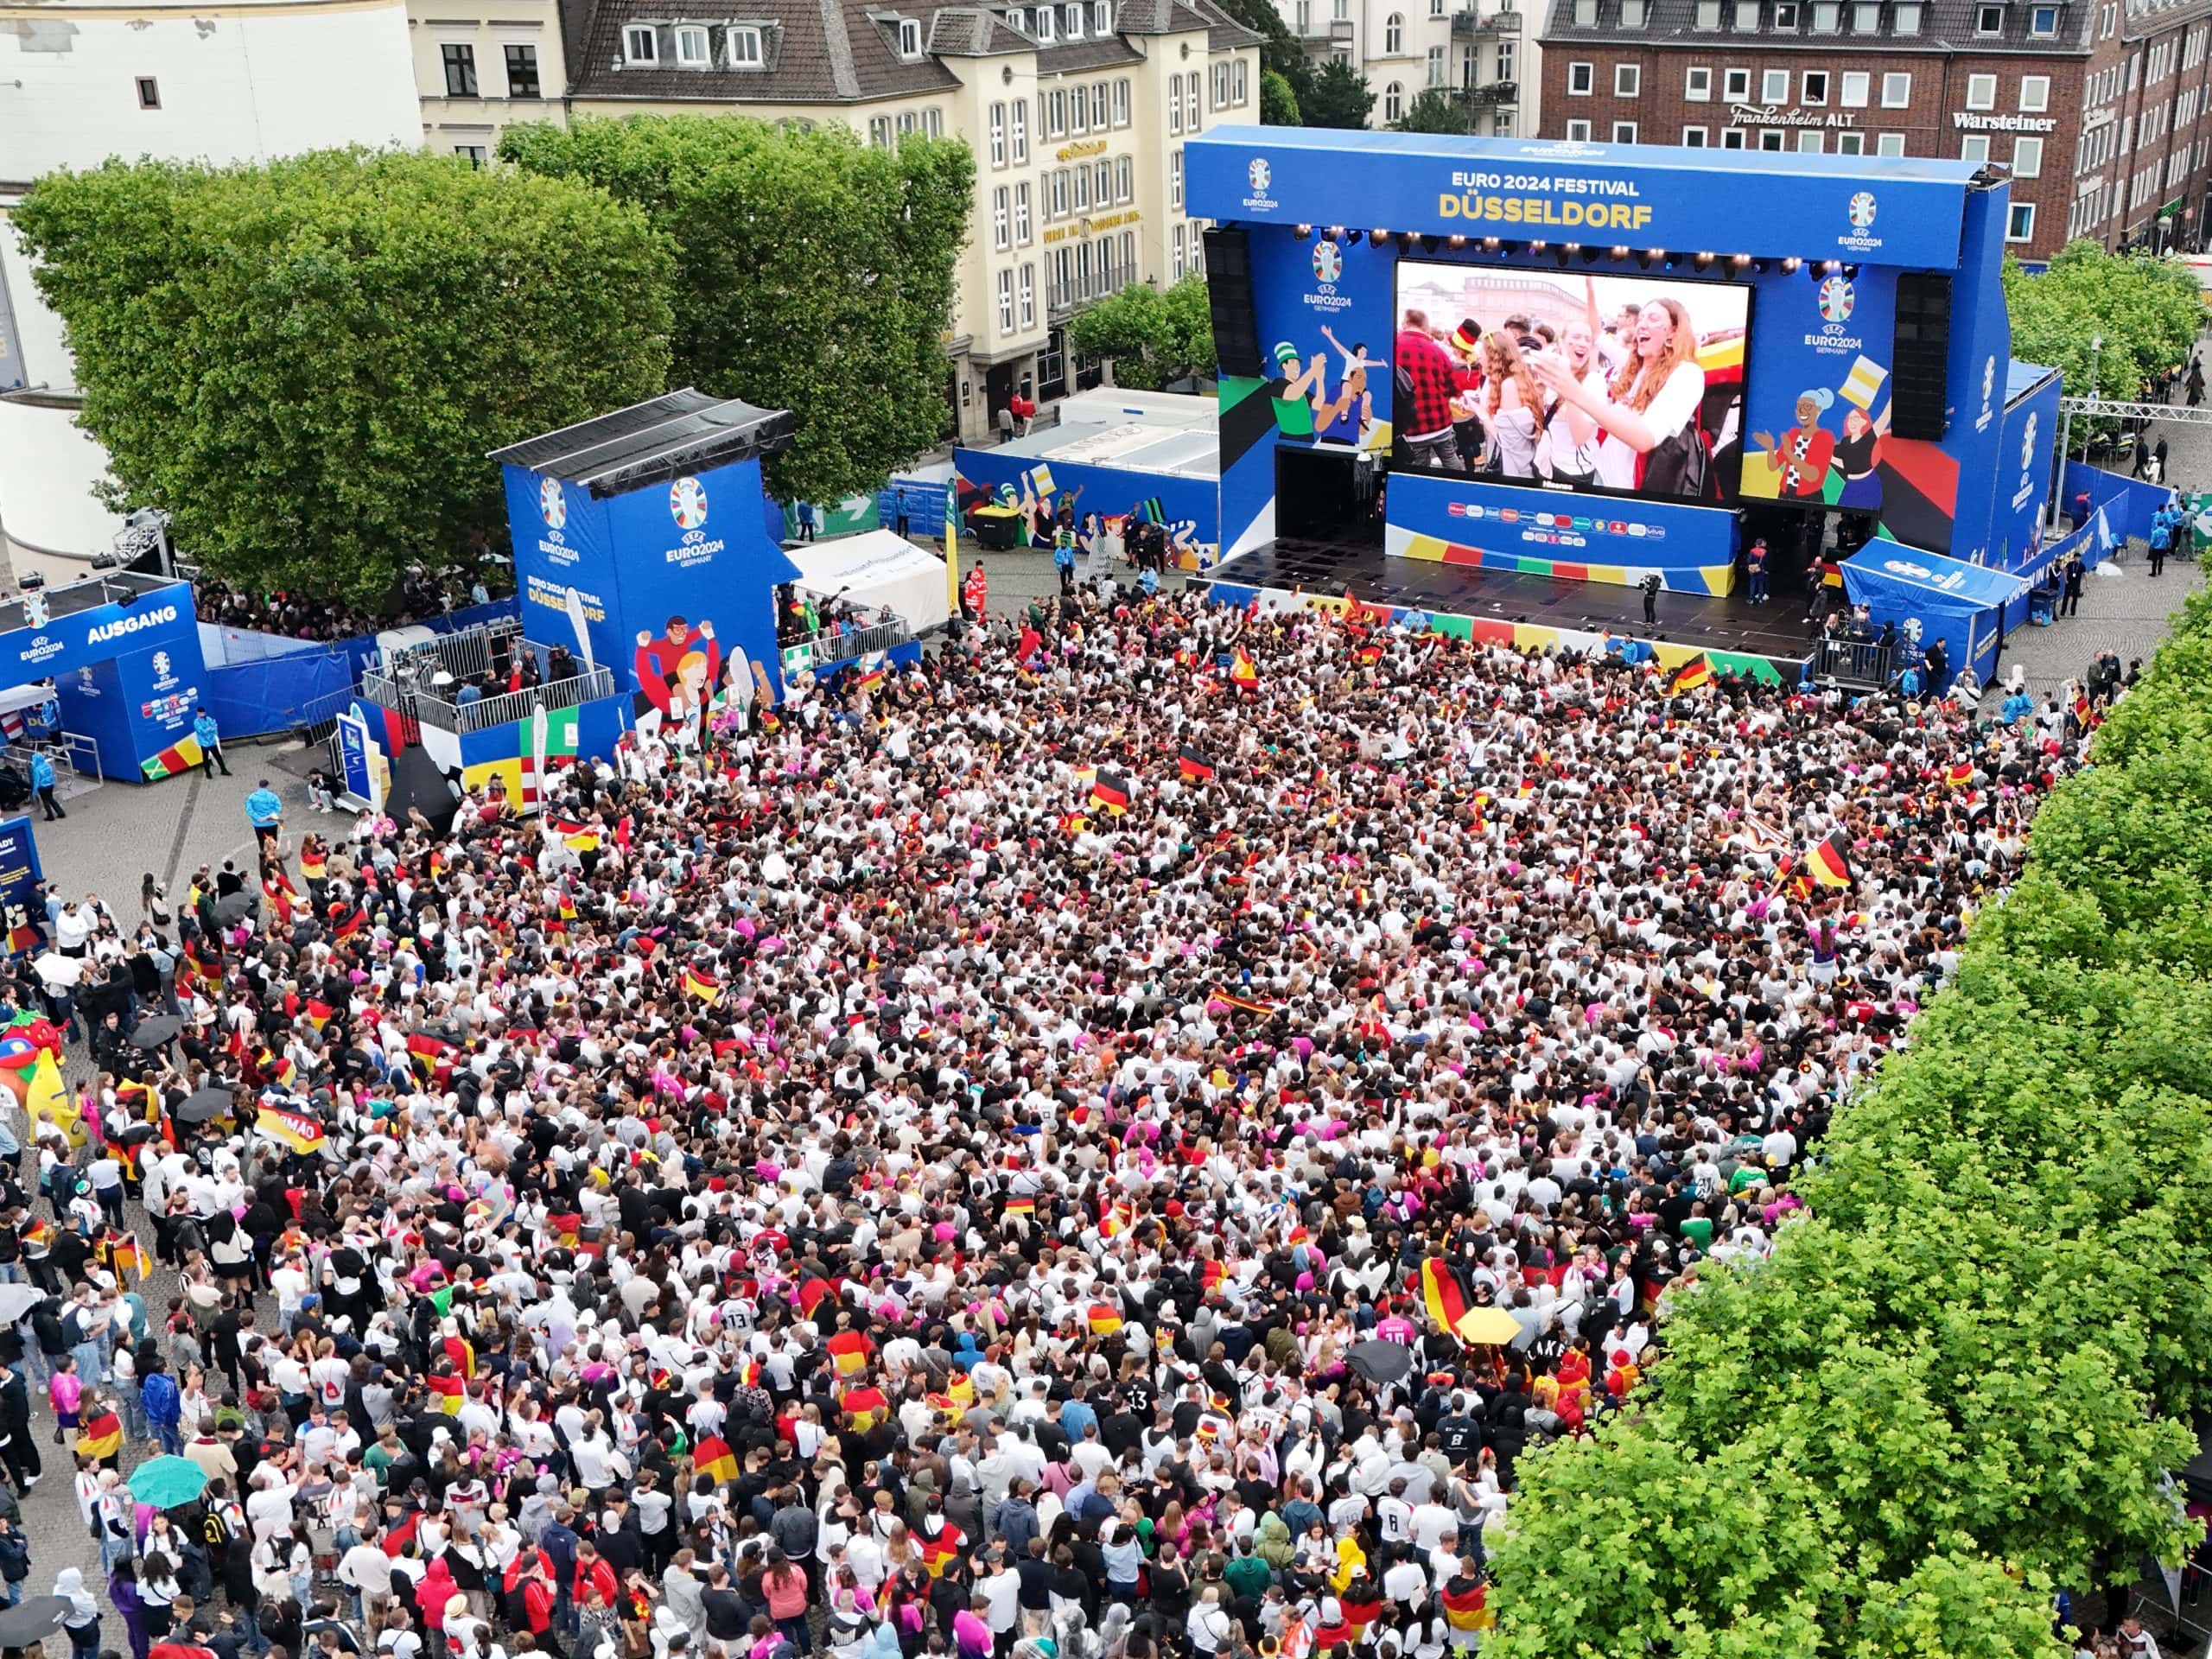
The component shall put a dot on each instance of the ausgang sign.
(1757, 115)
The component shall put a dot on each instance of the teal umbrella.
(164, 1483)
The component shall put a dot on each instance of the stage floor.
(1775, 630)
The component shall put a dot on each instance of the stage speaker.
(1229, 297)
(1918, 351)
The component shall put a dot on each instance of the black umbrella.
(31, 1621)
(136, 1134)
(152, 1033)
(1382, 1362)
(205, 1107)
(236, 906)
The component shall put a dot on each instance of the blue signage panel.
(1105, 498)
(130, 675)
(1901, 211)
(1557, 533)
(22, 916)
(2024, 461)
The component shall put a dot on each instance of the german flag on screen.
(1194, 766)
(1830, 863)
(1111, 790)
(1691, 674)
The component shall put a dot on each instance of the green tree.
(813, 272)
(1439, 109)
(304, 362)
(1154, 337)
(1280, 51)
(1337, 97)
(2145, 311)
(1278, 102)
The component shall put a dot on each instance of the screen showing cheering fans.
(1626, 384)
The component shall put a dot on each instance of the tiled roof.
(1945, 26)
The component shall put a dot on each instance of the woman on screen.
(1508, 407)
(1567, 453)
(1648, 415)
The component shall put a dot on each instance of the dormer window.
(692, 50)
(745, 51)
(1102, 17)
(1046, 31)
(910, 38)
(640, 44)
(1072, 22)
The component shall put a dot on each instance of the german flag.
(575, 834)
(300, 1133)
(865, 1405)
(848, 1351)
(1691, 674)
(426, 1054)
(940, 1552)
(1111, 790)
(1117, 1221)
(345, 923)
(1213, 1273)
(1021, 1206)
(1960, 775)
(100, 1438)
(319, 1012)
(809, 1296)
(1830, 863)
(1445, 1293)
(700, 982)
(1073, 824)
(1243, 672)
(1243, 1004)
(1103, 1320)
(314, 866)
(1464, 1601)
(712, 1456)
(1194, 766)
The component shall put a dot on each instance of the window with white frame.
(1774, 87)
(1078, 111)
(1628, 79)
(1828, 16)
(1175, 180)
(1578, 131)
(998, 135)
(879, 131)
(1708, 14)
(1866, 16)
(1047, 26)
(1812, 87)
(640, 44)
(1176, 254)
(1581, 80)
(1081, 182)
(1098, 116)
(1121, 103)
(1732, 138)
(745, 51)
(1808, 140)
(1975, 147)
(1056, 194)
(1771, 140)
(1071, 20)
(1220, 86)
(1237, 84)
(692, 50)
(1897, 90)
(1889, 143)
(2027, 158)
(2021, 225)
(1697, 84)
(1624, 132)
(1174, 104)
(1394, 34)
(1435, 65)
(1102, 17)
(1021, 212)
(1029, 296)
(1056, 113)
(910, 38)
(1694, 138)
(1125, 180)
(1002, 219)
(1851, 144)
(1005, 302)
(1981, 92)
(1854, 89)
(1736, 86)
(2035, 94)
(1394, 102)
(1020, 130)
(1191, 100)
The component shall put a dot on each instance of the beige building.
(1076, 111)
(481, 64)
(1476, 49)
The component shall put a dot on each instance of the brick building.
(2094, 108)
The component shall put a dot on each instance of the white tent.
(876, 568)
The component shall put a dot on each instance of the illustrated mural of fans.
(1802, 456)
(674, 673)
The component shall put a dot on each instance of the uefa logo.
(2027, 441)
(687, 503)
(1328, 262)
(161, 658)
(551, 504)
(1862, 210)
(1260, 174)
(1836, 300)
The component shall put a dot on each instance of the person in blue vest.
(2162, 537)
(42, 784)
(1063, 558)
(211, 743)
(264, 810)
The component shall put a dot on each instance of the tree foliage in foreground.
(1966, 1375)
(814, 273)
(1154, 337)
(2146, 310)
(304, 361)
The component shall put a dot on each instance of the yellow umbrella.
(1493, 1327)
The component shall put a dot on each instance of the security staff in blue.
(2162, 536)
(42, 784)
(264, 810)
(211, 743)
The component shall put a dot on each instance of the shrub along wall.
(1967, 1374)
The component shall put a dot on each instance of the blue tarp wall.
(1958, 603)
(298, 682)
(2128, 503)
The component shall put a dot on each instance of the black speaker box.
(1918, 351)
(1229, 297)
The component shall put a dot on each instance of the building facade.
(82, 80)
(2094, 109)
(482, 64)
(1076, 111)
(1479, 49)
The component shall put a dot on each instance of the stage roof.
(1134, 431)
(651, 443)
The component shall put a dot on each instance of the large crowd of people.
(947, 1168)
(298, 614)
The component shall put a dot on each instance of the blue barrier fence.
(278, 693)
(2126, 504)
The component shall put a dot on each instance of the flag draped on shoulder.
(1691, 674)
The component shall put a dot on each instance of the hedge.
(1961, 1383)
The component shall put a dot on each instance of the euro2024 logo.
(552, 504)
(1862, 210)
(1328, 262)
(1836, 300)
(1260, 174)
(687, 503)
